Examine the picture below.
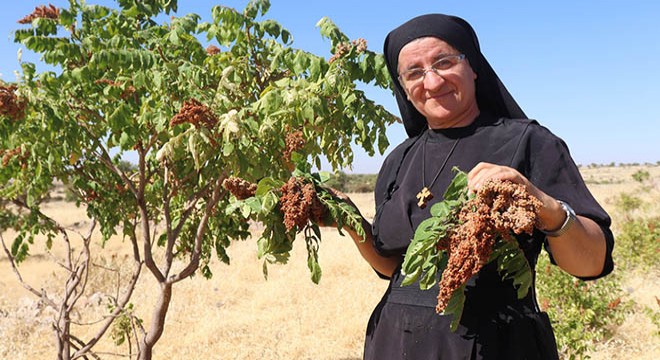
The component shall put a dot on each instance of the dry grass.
(239, 315)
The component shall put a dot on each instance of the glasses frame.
(431, 68)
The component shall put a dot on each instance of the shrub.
(582, 312)
(628, 203)
(638, 244)
(641, 176)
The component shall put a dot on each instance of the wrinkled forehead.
(423, 48)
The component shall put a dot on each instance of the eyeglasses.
(412, 77)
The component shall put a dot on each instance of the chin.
(439, 117)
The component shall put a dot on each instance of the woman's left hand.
(581, 250)
(551, 215)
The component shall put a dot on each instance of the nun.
(457, 113)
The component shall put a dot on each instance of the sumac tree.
(193, 103)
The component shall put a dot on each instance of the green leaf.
(440, 209)
(458, 186)
(324, 176)
(455, 307)
(174, 38)
(227, 148)
(270, 200)
(254, 203)
(246, 210)
(412, 277)
(266, 185)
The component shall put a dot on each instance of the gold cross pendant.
(424, 196)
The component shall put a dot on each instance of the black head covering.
(492, 97)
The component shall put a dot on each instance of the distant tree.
(192, 114)
(338, 181)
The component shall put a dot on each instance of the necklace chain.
(425, 194)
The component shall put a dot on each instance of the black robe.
(495, 323)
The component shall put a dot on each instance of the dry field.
(239, 315)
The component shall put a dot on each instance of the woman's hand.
(328, 221)
(581, 250)
(382, 264)
(551, 215)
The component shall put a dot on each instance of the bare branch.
(77, 343)
(121, 304)
(40, 294)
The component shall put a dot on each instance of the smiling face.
(446, 100)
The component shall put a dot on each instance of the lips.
(438, 96)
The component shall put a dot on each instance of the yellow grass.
(240, 315)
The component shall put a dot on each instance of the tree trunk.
(64, 348)
(157, 323)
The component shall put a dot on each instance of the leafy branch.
(314, 203)
(464, 233)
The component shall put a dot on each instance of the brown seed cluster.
(7, 155)
(42, 12)
(299, 204)
(499, 208)
(10, 105)
(342, 49)
(212, 50)
(240, 188)
(196, 113)
(294, 141)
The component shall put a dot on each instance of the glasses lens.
(414, 76)
(446, 63)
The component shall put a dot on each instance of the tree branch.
(41, 295)
(144, 220)
(199, 235)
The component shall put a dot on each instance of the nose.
(432, 79)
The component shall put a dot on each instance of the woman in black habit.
(457, 112)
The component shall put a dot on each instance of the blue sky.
(587, 70)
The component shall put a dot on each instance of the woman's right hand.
(327, 220)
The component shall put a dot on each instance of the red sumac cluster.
(299, 203)
(342, 49)
(7, 155)
(240, 188)
(10, 105)
(212, 50)
(294, 141)
(196, 113)
(298, 200)
(499, 208)
(41, 12)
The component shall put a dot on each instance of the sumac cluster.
(196, 113)
(41, 12)
(8, 155)
(298, 200)
(300, 204)
(10, 104)
(294, 141)
(499, 208)
(342, 49)
(240, 188)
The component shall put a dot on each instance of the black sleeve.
(386, 185)
(552, 170)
